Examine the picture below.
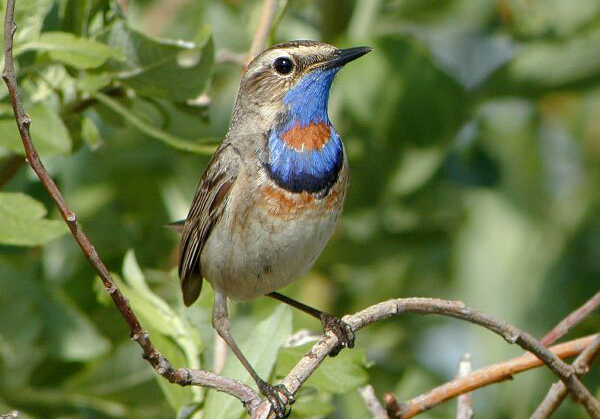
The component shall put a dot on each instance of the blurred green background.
(473, 132)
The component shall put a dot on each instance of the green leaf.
(313, 404)
(139, 123)
(93, 82)
(22, 222)
(341, 374)
(178, 397)
(175, 70)
(260, 348)
(122, 369)
(469, 57)
(90, 133)
(70, 335)
(29, 16)
(48, 132)
(19, 351)
(556, 63)
(159, 313)
(82, 53)
(171, 333)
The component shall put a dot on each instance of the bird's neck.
(305, 152)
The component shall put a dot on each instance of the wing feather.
(207, 207)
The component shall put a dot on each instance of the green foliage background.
(473, 131)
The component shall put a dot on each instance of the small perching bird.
(272, 193)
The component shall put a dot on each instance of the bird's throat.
(305, 158)
(305, 152)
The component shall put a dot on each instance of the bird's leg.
(273, 393)
(342, 330)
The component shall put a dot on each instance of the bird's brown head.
(295, 74)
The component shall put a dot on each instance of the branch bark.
(489, 375)
(368, 395)
(311, 361)
(264, 27)
(464, 409)
(558, 392)
(181, 376)
(571, 320)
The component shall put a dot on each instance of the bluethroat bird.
(272, 193)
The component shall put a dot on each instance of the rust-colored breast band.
(310, 137)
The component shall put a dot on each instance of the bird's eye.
(283, 65)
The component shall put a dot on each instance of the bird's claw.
(342, 330)
(279, 397)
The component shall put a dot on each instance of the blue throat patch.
(305, 151)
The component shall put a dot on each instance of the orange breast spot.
(286, 205)
(310, 137)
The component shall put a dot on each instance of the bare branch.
(264, 27)
(311, 361)
(464, 408)
(489, 375)
(392, 407)
(161, 365)
(558, 391)
(225, 56)
(220, 350)
(368, 395)
(571, 320)
(124, 5)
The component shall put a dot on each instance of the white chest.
(259, 248)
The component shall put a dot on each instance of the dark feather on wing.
(206, 209)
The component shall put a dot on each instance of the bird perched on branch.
(272, 193)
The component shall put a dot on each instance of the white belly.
(262, 249)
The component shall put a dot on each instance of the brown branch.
(556, 394)
(489, 375)
(464, 409)
(368, 395)
(571, 320)
(392, 407)
(262, 31)
(124, 6)
(181, 376)
(558, 391)
(310, 362)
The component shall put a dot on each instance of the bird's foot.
(279, 397)
(341, 329)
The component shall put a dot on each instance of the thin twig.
(220, 350)
(464, 409)
(556, 394)
(489, 375)
(307, 365)
(225, 56)
(392, 407)
(264, 27)
(368, 395)
(124, 5)
(558, 391)
(571, 320)
(181, 376)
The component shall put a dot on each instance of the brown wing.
(207, 207)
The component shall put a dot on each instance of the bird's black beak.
(343, 56)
